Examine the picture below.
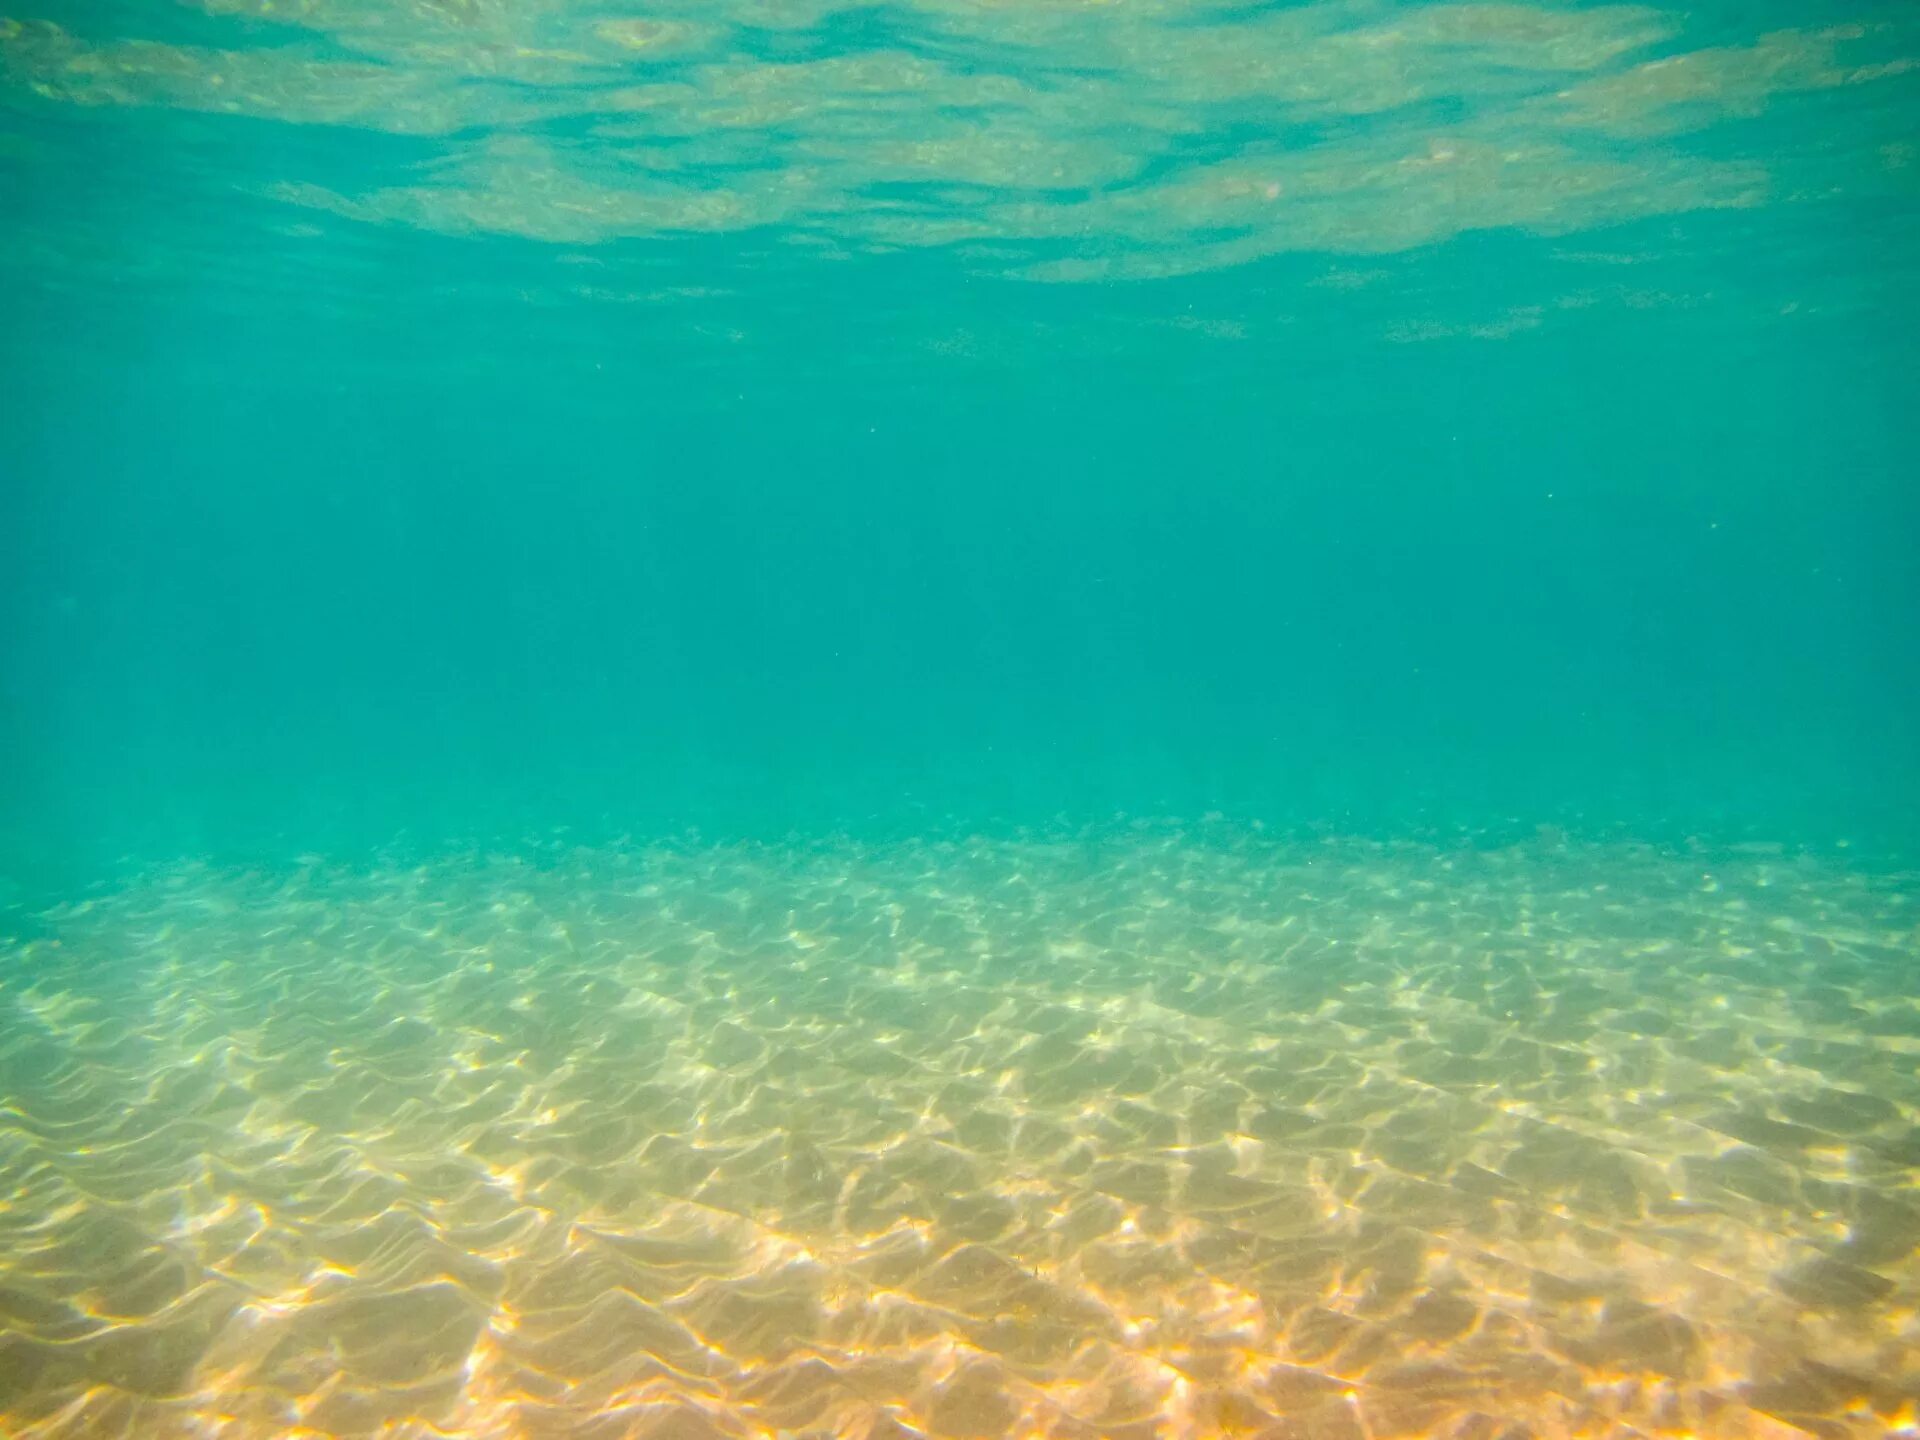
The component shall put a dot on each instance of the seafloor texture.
(1129, 1137)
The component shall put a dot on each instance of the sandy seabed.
(1130, 1136)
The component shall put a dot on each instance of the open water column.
(959, 720)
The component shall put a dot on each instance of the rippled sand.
(1130, 1136)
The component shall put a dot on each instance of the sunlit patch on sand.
(1124, 1135)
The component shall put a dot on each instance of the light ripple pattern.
(1129, 1135)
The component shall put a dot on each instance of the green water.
(959, 721)
(459, 420)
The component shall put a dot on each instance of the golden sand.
(1130, 1137)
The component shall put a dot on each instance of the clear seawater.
(964, 719)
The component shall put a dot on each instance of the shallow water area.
(883, 446)
(1125, 1133)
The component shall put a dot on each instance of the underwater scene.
(955, 719)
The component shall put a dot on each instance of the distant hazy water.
(431, 421)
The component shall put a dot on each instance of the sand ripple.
(1132, 1136)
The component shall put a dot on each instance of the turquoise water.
(450, 419)
(997, 721)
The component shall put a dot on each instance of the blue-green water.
(445, 420)
(1076, 721)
